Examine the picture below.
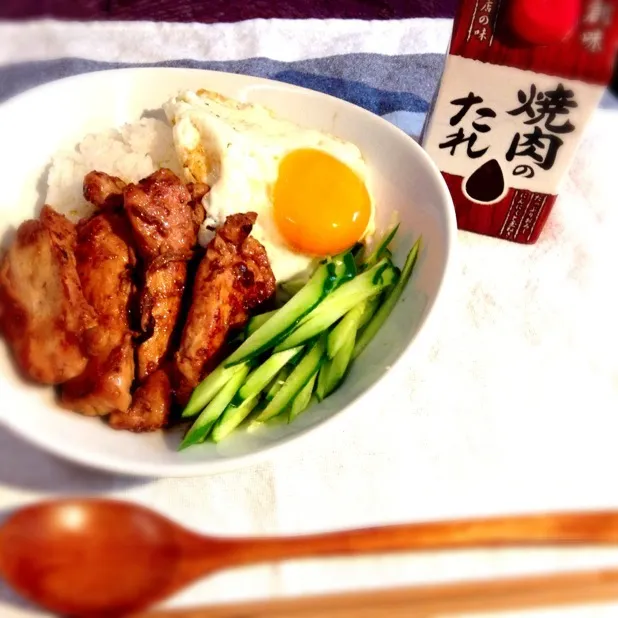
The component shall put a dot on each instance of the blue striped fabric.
(385, 85)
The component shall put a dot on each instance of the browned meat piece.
(103, 190)
(199, 214)
(150, 408)
(161, 215)
(197, 190)
(105, 262)
(105, 385)
(165, 223)
(160, 305)
(233, 277)
(43, 312)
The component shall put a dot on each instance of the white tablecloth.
(514, 408)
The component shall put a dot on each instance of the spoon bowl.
(109, 555)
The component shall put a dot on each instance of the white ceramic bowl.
(37, 123)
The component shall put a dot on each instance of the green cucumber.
(280, 419)
(260, 377)
(381, 248)
(324, 280)
(233, 416)
(279, 380)
(258, 320)
(337, 367)
(345, 330)
(261, 404)
(208, 388)
(293, 286)
(322, 382)
(348, 268)
(210, 414)
(302, 373)
(376, 322)
(370, 306)
(338, 303)
(302, 400)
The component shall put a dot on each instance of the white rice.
(132, 152)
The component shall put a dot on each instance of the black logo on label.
(486, 184)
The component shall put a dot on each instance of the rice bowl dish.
(134, 151)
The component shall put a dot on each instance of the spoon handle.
(599, 528)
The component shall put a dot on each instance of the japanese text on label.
(545, 122)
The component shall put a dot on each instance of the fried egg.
(309, 189)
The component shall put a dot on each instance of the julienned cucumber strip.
(369, 332)
(232, 417)
(349, 270)
(323, 281)
(302, 400)
(340, 302)
(208, 388)
(380, 249)
(345, 330)
(368, 282)
(322, 381)
(201, 427)
(294, 286)
(337, 368)
(370, 306)
(306, 369)
(275, 386)
(260, 377)
(261, 404)
(258, 320)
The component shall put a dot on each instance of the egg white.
(236, 149)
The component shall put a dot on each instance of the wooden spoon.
(109, 558)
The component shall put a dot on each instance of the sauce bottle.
(520, 82)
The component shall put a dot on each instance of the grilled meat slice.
(160, 305)
(105, 385)
(165, 216)
(151, 405)
(103, 190)
(159, 210)
(105, 263)
(198, 191)
(43, 312)
(233, 277)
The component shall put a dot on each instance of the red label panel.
(519, 216)
(485, 30)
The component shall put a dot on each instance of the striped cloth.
(513, 408)
(384, 66)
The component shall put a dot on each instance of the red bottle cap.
(543, 22)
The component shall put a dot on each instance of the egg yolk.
(320, 205)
